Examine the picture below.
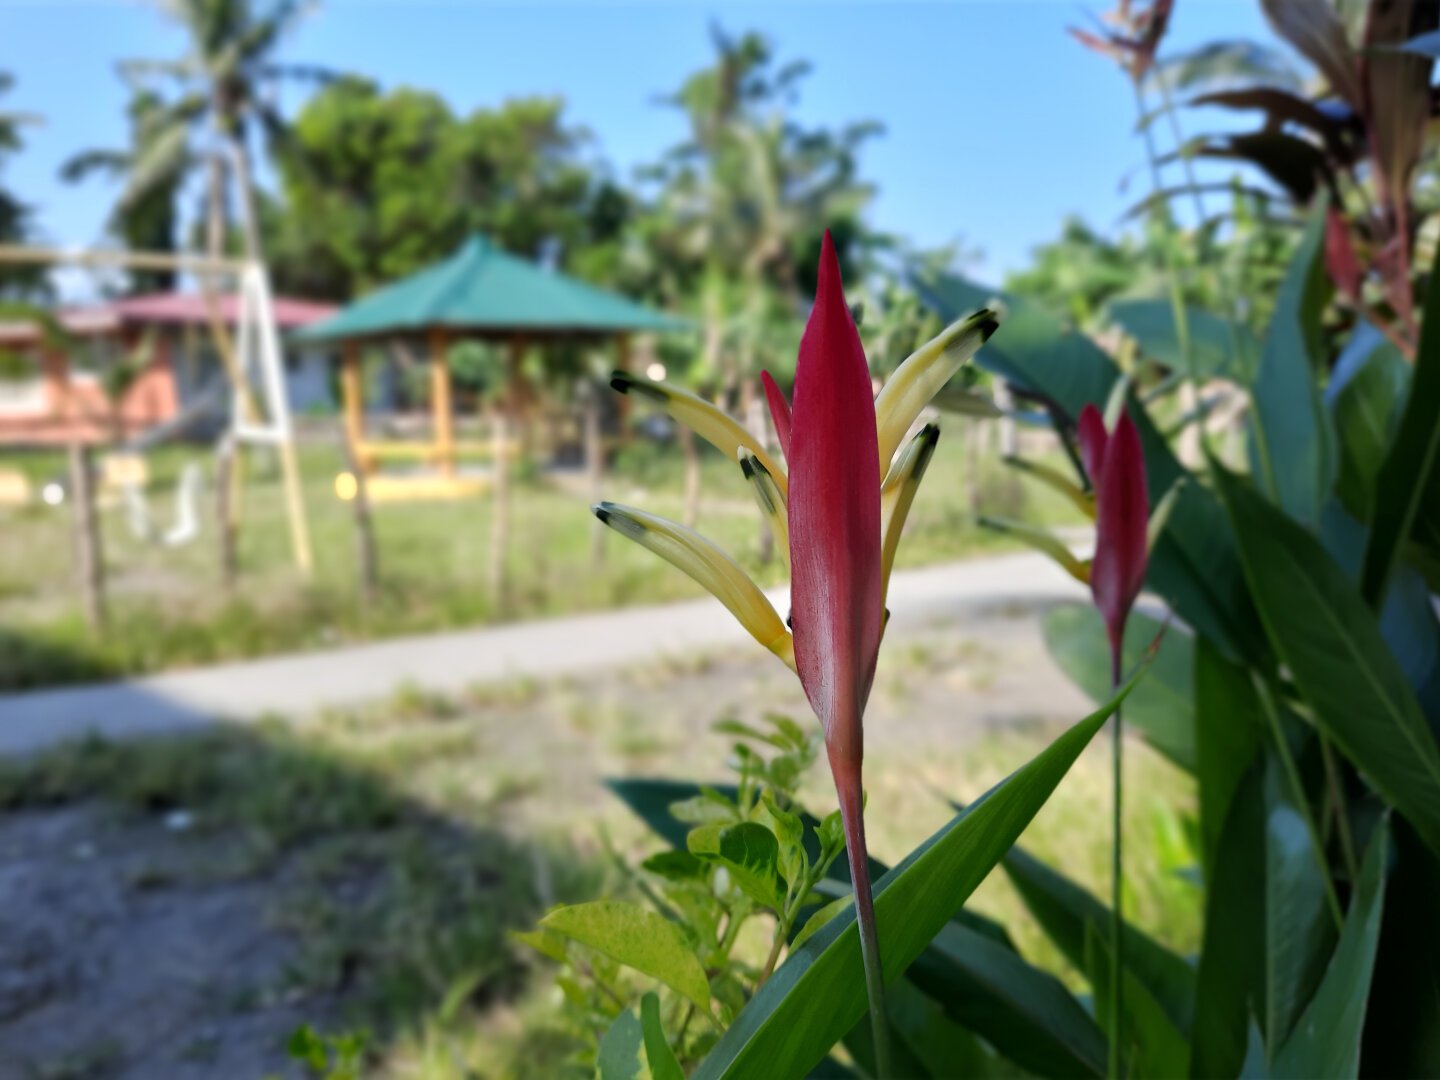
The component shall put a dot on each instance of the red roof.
(179, 308)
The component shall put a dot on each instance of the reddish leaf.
(779, 412)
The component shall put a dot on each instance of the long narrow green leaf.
(1068, 913)
(1228, 726)
(1407, 489)
(818, 994)
(1326, 1042)
(1333, 647)
(1291, 447)
(1156, 1047)
(661, 1058)
(1230, 986)
(1299, 931)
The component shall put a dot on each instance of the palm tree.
(223, 97)
(15, 216)
(155, 166)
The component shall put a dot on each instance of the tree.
(221, 88)
(146, 218)
(16, 226)
(378, 185)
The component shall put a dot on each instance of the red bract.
(835, 591)
(779, 412)
(1116, 465)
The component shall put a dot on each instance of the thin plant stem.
(770, 961)
(1117, 919)
(1292, 772)
(1342, 815)
(852, 814)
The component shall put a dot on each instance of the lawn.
(167, 608)
(361, 871)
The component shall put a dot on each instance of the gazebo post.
(351, 393)
(622, 363)
(500, 522)
(440, 400)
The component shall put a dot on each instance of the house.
(53, 393)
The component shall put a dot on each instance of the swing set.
(252, 361)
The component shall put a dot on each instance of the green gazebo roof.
(481, 289)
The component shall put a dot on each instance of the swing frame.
(257, 342)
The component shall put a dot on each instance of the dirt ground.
(149, 926)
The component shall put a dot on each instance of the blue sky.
(998, 124)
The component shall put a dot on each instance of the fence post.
(366, 553)
(89, 554)
(225, 523)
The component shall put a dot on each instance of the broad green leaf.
(1230, 983)
(1402, 1023)
(818, 994)
(1291, 447)
(1161, 706)
(821, 916)
(1299, 929)
(1228, 728)
(638, 938)
(1157, 1046)
(1365, 394)
(1326, 1041)
(1219, 349)
(1407, 489)
(676, 865)
(1067, 913)
(1025, 1013)
(1329, 640)
(1194, 565)
(621, 1055)
(658, 1054)
(752, 856)
(546, 942)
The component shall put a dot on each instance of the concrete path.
(301, 684)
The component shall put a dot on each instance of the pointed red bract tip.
(779, 412)
(1122, 519)
(1092, 437)
(836, 605)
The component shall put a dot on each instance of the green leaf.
(752, 856)
(1213, 341)
(939, 1045)
(631, 935)
(1291, 447)
(1025, 1013)
(1228, 727)
(1365, 393)
(676, 866)
(818, 994)
(1194, 565)
(821, 916)
(1068, 913)
(546, 942)
(1159, 1049)
(1326, 1041)
(1161, 706)
(1402, 1023)
(622, 1049)
(1230, 983)
(663, 1065)
(1332, 645)
(1299, 930)
(1407, 489)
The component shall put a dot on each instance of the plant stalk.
(1117, 919)
(852, 814)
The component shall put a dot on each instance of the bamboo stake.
(90, 556)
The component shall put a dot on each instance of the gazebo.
(484, 293)
(479, 293)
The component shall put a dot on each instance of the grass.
(167, 608)
(405, 839)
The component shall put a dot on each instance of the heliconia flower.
(1116, 464)
(838, 512)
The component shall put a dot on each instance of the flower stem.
(1117, 919)
(852, 813)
